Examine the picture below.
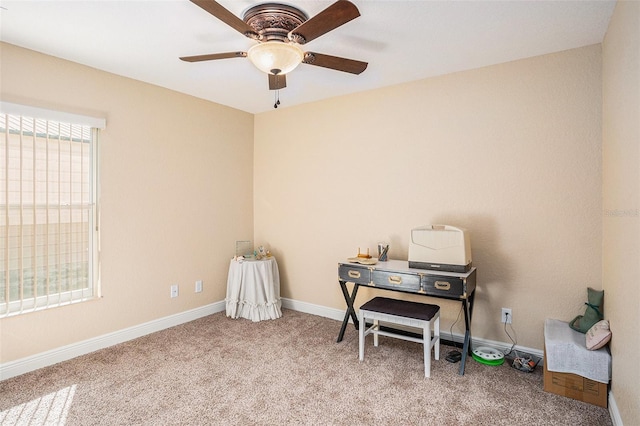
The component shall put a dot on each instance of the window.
(48, 228)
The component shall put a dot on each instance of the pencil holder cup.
(383, 248)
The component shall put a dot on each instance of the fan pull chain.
(276, 98)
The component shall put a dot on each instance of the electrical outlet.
(174, 290)
(199, 286)
(506, 316)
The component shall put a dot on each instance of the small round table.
(253, 289)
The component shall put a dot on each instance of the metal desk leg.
(466, 347)
(350, 309)
(470, 299)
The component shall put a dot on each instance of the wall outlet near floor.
(174, 290)
(199, 286)
(506, 316)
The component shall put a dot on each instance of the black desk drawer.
(396, 281)
(444, 286)
(354, 274)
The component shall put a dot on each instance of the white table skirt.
(253, 290)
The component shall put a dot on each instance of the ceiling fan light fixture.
(275, 57)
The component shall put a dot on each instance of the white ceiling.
(401, 40)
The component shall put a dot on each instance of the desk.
(395, 275)
(253, 289)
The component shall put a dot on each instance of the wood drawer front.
(396, 281)
(450, 287)
(354, 274)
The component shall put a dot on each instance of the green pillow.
(593, 313)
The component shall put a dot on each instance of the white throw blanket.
(566, 352)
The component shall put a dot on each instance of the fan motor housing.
(274, 21)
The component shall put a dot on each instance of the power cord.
(454, 355)
(522, 363)
(513, 341)
(454, 323)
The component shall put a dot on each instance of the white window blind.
(48, 232)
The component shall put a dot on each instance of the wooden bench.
(401, 312)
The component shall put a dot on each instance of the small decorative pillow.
(598, 335)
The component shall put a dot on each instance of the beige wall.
(621, 202)
(176, 193)
(511, 152)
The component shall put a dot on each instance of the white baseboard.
(613, 411)
(54, 356)
(338, 314)
(310, 308)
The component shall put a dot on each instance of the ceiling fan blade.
(334, 62)
(213, 56)
(217, 10)
(277, 82)
(332, 17)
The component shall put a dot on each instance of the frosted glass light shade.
(275, 55)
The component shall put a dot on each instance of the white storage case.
(441, 248)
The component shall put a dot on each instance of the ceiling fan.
(280, 30)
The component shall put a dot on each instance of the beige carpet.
(219, 371)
